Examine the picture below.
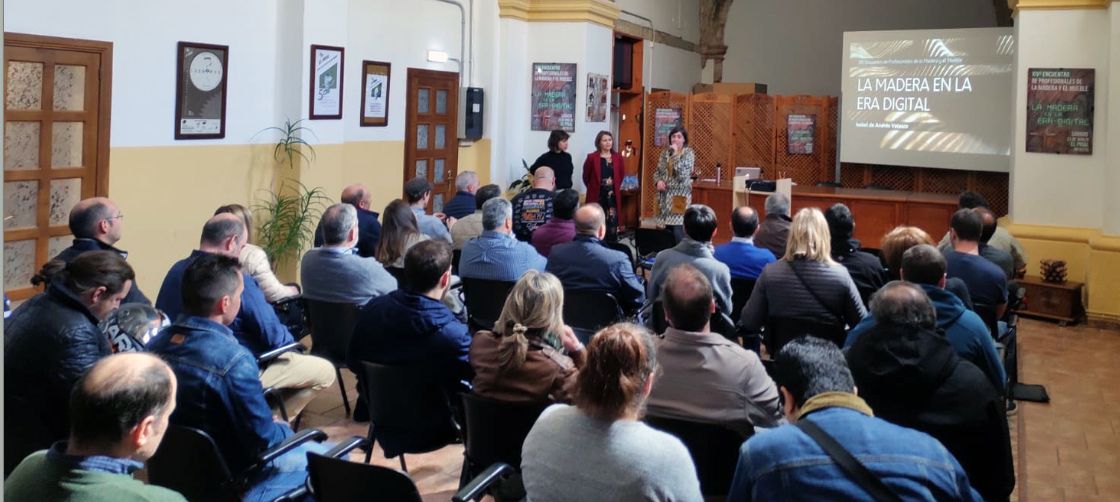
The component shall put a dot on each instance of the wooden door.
(431, 138)
(56, 145)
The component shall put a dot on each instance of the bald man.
(585, 264)
(741, 255)
(118, 413)
(533, 207)
(369, 229)
(97, 224)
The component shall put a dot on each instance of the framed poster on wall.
(598, 96)
(664, 120)
(200, 91)
(799, 133)
(1060, 110)
(326, 82)
(553, 100)
(375, 94)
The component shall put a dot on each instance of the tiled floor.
(1067, 450)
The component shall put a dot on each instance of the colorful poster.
(664, 120)
(597, 97)
(799, 133)
(553, 100)
(1060, 110)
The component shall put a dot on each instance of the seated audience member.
(119, 412)
(706, 377)
(897, 241)
(924, 266)
(987, 284)
(219, 390)
(496, 255)
(369, 229)
(774, 231)
(530, 356)
(695, 249)
(599, 448)
(1001, 258)
(419, 193)
(332, 273)
(399, 234)
(560, 228)
(470, 226)
(741, 255)
(587, 265)
(1001, 239)
(49, 341)
(462, 204)
(865, 268)
(254, 324)
(912, 377)
(432, 336)
(533, 207)
(818, 391)
(97, 224)
(805, 283)
(255, 262)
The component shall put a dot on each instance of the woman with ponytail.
(530, 356)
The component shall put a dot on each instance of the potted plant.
(289, 212)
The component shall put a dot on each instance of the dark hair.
(217, 230)
(554, 139)
(50, 270)
(84, 219)
(681, 130)
(903, 304)
(425, 263)
(398, 224)
(987, 223)
(971, 200)
(700, 222)
(415, 188)
(599, 137)
(807, 366)
(619, 360)
(841, 224)
(101, 417)
(337, 221)
(923, 264)
(207, 279)
(486, 193)
(687, 296)
(744, 221)
(94, 269)
(967, 224)
(564, 203)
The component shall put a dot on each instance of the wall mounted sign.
(375, 93)
(598, 96)
(799, 133)
(1060, 110)
(664, 120)
(553, 100)
(200, 91)
(326, 82)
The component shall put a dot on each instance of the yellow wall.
(1091, 258)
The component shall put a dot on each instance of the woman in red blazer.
(602, 175)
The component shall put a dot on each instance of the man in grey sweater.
(695, 249)
(334, 273)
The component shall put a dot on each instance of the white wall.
(671, 68)
(680, 18)
(795, 46)
(1112, 168)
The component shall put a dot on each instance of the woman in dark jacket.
(603, 171)
(558, 158)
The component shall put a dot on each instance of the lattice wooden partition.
(710, 134)
(805, 169)
(993, 186)
(754, 131)
(651, 152)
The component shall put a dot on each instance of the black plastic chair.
(780, 330)
(397, 273)
(409, 411)
(484, 300)
(496, 430)
(291, 311)
(719, 323)
(714, 449)
(987, 314)
(740, 292)
(651, 241)
(332, 326)
(587, 311)
(456, 254)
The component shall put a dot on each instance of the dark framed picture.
(326, 82)
(200, 91)
(375, 94)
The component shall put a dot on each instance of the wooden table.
(1055, 301)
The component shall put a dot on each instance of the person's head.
(688, 298)
(987, 222)
(427, 268)
(971, 200)
(544, 177)
(100, 279)
(211, 288)
(241, 212)
(923, 264)
(486, 193)
(808, 237)
(617, 374)
(896, 242)
(564, 204)
(357, 195)
(841, 224)
(965, 226)
(398, 225)
(533, 309)
(558, 141)
(120, 407)
(604, 142)
(700, 223)
(225, 234)
(678, 136)
(497, 215)
(808, 366)
(340, 225)
(777, 203)
(591, 220)
(467, 181)
(97, 218)
(744, 221)
(417, 190)
(903, 304)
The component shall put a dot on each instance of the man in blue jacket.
(741, 255)
(369, 229)
(586, 264)
(97, 224)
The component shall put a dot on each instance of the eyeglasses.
(118, 216)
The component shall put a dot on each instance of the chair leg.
(403, 466)
(342, 388)
(369, 452)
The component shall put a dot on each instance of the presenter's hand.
(660, 186)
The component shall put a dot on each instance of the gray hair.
(777, 203)
(464, 179)
(337, 222)
(903, 304)
(495, 212)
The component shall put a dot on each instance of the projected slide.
(928, 98)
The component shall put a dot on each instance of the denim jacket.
(219, 389)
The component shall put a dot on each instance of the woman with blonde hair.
(806, 285)
(530, 356)
(254, 261)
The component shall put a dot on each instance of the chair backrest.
(337, 480)
(455, 256)
(496, 430)
(652, 240)
(987, 313)
(292, 313)
(587, 311)
(409, 410)
(484, 299)
(740, 292)
(189, 462)
(332, 326)
(780, 330)
(397, 273)
(713, 447)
